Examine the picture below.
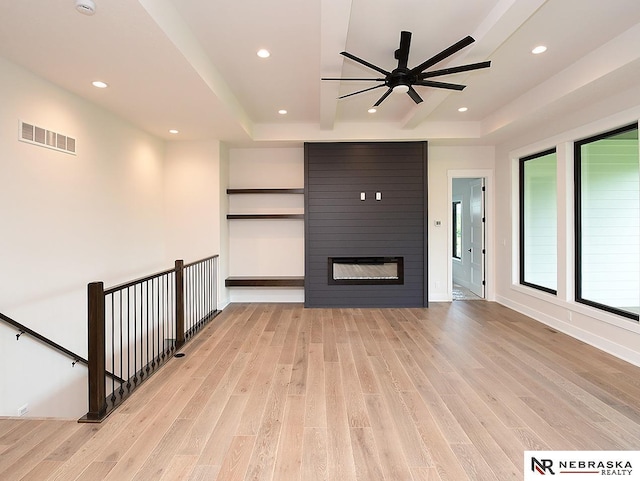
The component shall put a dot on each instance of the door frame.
(489, 243)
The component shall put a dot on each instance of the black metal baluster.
(129, 338)
(121, 390)
(146, 336)
(135, 335)
(113, 349)
(164, 315)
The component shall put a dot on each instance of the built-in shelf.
(265, 216)
(265, 281)
(265, 191)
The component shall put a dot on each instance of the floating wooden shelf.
(265, 191)
(265, 216)
(270, 281)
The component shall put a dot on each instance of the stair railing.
(136, 327)
(76, 358)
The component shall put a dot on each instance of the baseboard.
(572, 330)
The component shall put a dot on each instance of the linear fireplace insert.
(366, 270)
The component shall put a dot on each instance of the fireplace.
(366, 270)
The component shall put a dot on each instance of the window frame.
(454, 219)
(577, 181)
(521, 227)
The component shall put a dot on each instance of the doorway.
(468, 238)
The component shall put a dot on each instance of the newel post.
(96, 356)
(179, 303)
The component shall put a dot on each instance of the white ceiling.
(192, 64)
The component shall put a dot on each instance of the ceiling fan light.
(400, 89)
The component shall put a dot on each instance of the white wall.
(445, 162)
(611, 333)
(266, 247)
(66, 221)
(192, 195)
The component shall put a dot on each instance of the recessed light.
(173, 131)
(99, 84)
(463, 109)
(263, 53)
(372, 110)
(282, 112)
(539, 49)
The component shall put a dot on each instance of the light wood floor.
(277, 392)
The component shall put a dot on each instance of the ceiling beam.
(176, 29)
(503, 20)
(334, 27)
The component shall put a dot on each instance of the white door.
(476, 211)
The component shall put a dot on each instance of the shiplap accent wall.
(339, 224)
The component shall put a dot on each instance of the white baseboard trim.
(588, 337)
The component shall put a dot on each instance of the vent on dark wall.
(46, 138)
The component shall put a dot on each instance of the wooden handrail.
(45, 340)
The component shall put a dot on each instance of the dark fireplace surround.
(365, 224)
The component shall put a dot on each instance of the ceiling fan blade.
(381, 99)
(440, 85)
(360, 91)
(365, 63)
(355, 79)
(402, 54)
(461, 68)
(414, 95)
(465, 42)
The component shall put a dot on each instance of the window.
(457, 229)
(539, 221)
(607, 203)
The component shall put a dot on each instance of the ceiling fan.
(403, 79)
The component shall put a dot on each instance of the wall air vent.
(46, 138)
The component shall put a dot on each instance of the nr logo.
(542, 466)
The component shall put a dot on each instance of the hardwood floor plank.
(339, 456)
(363, 367)
(444, 460)
(252, 414)
(236, 460)
(425, 474)
(25, 458)
(289, 457)
(208, 418)
(393, 463)
(365, 455)
(354, 400)
(263, 457)
(218, 441)
(178, 468)
(96, 471)
(300, 370)
(314, 456)
(315, 404)
(43, 470)
(397, 411)
(488, 444)
(329, 336)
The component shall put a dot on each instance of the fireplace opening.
(366, 270)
